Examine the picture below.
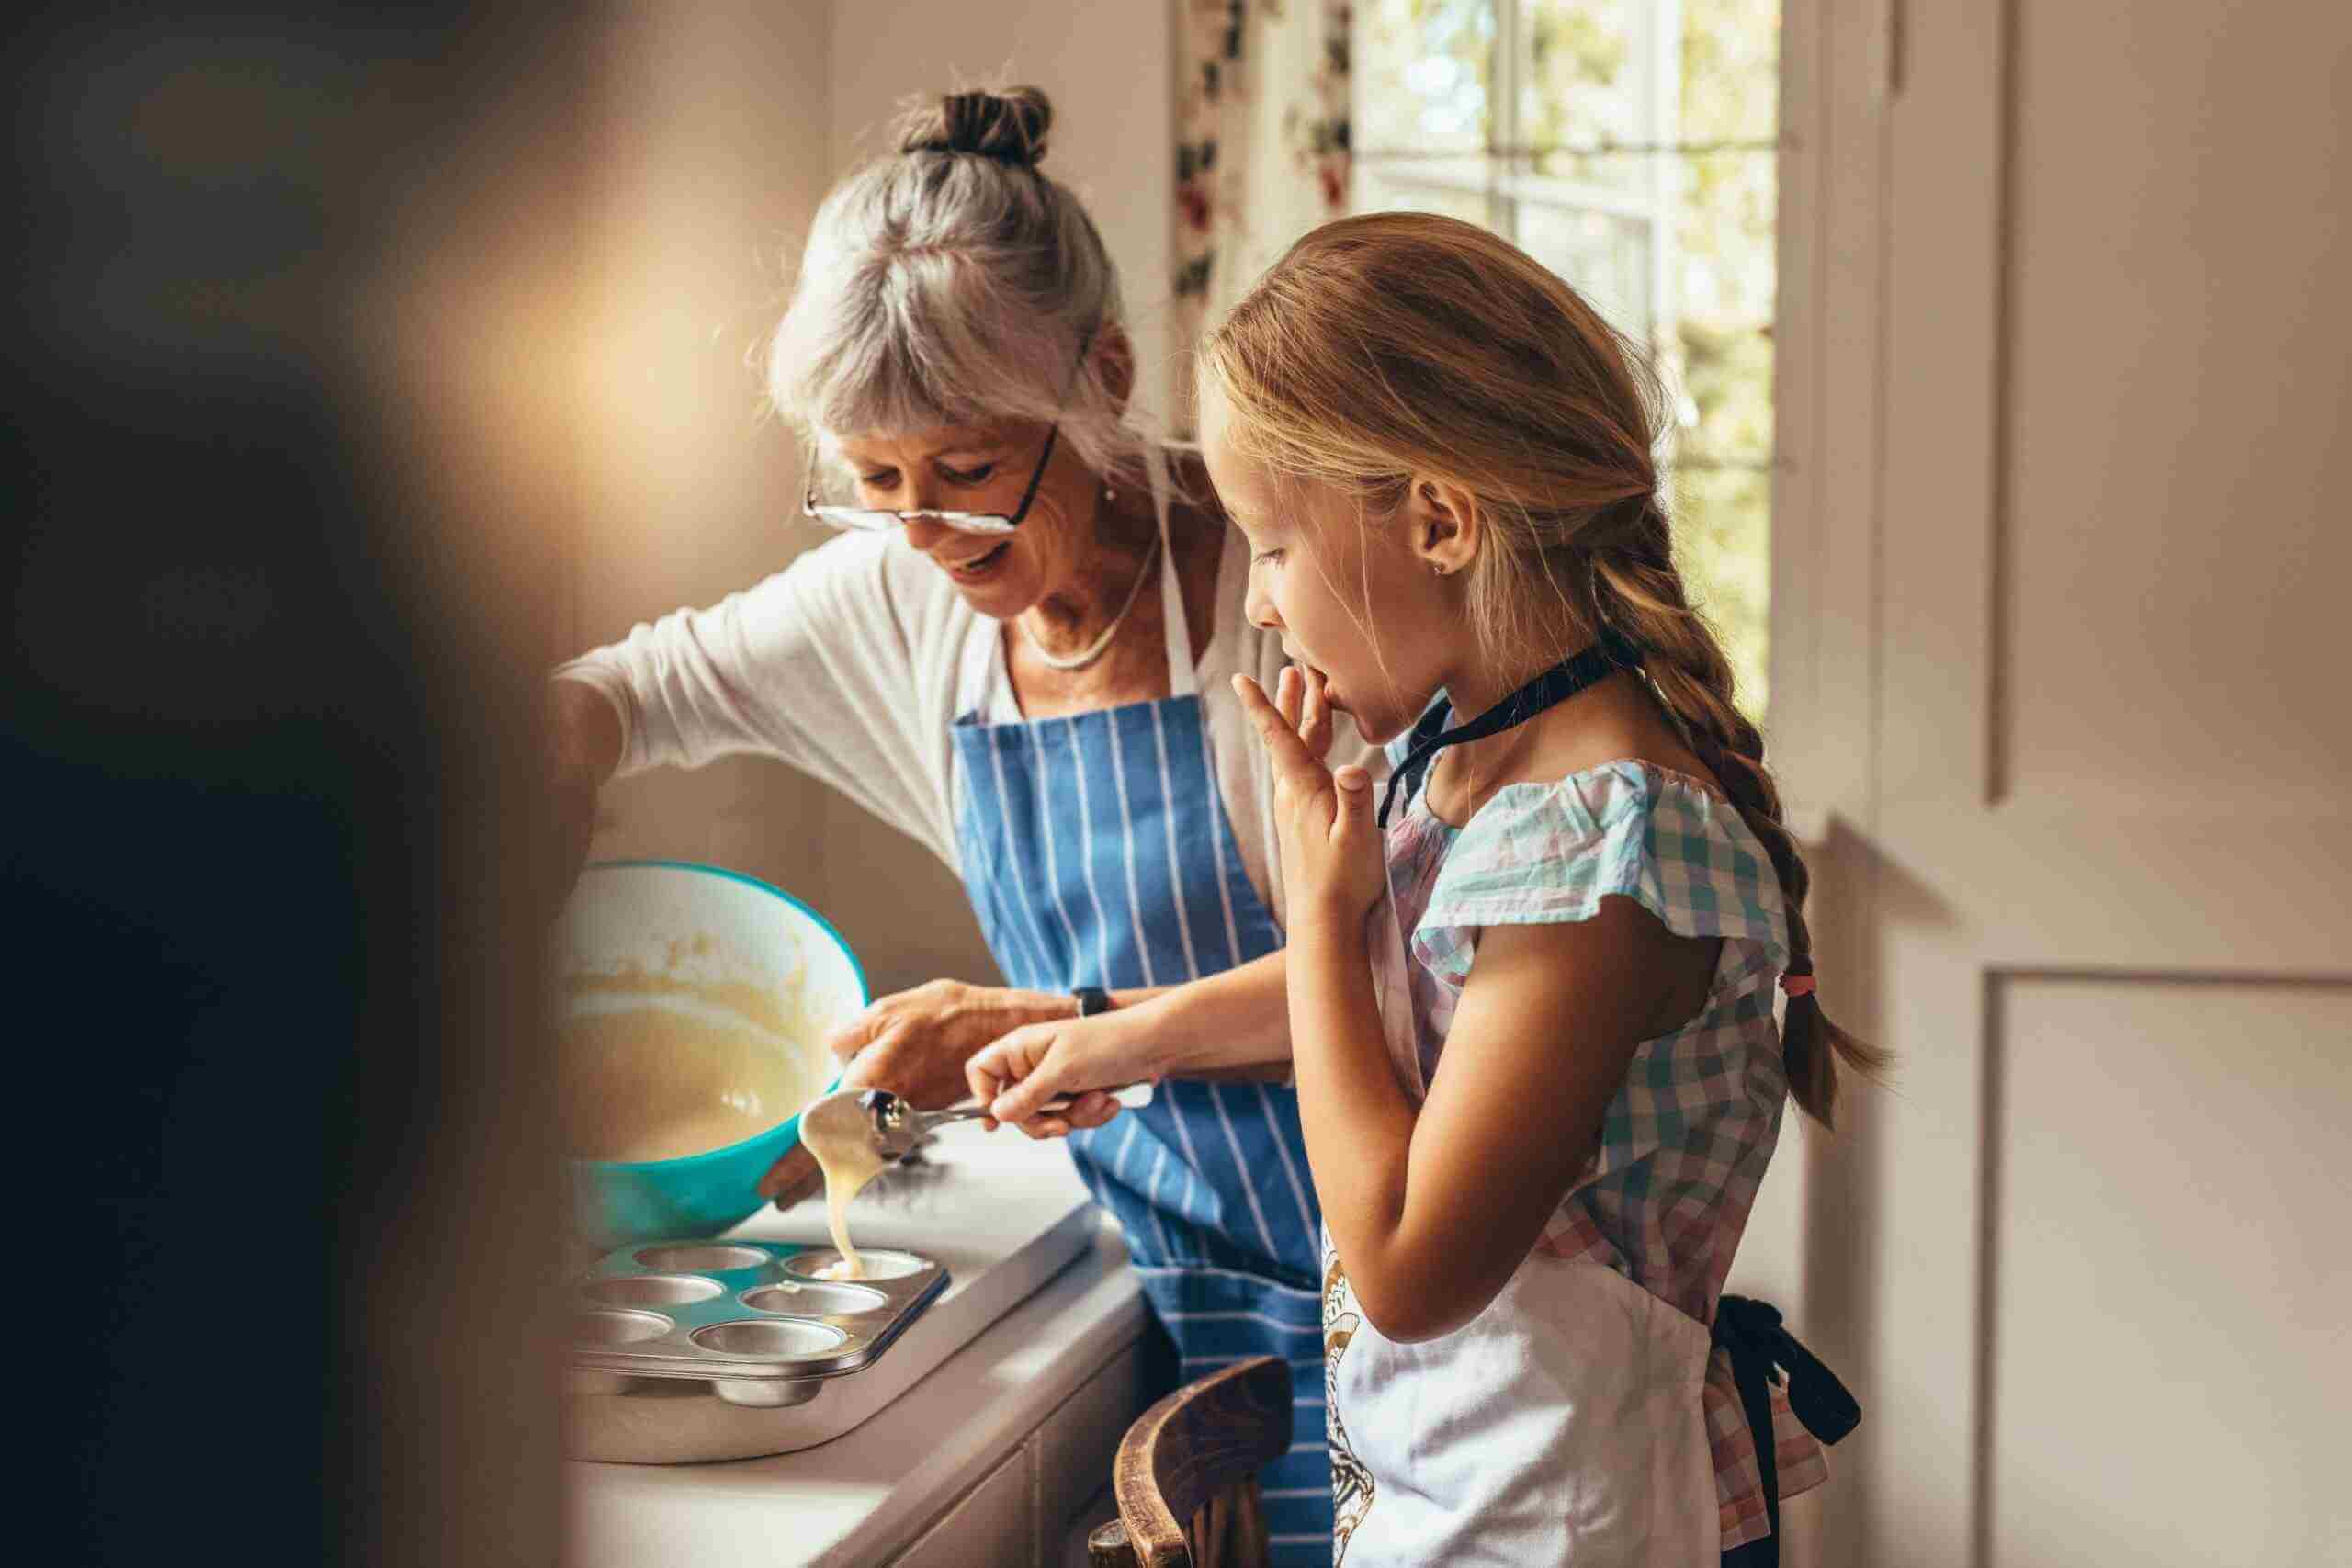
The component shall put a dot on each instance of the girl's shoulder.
(1550, 851)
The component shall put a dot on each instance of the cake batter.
(840, 1135)
(656, 1067)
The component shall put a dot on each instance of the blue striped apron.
(1097, 852)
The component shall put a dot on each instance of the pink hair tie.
(1797, 985)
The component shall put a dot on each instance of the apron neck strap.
(1183, 681)
(1606, 655)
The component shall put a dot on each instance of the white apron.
(1564, 1424)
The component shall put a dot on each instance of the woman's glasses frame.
(870, 518)
(962, 521)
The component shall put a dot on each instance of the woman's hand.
(915, 1044)
(1330, 846)
(1041, 1062)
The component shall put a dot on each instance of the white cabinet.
(995, 1522)
(1023, 1511)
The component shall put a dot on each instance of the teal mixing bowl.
(686, 938)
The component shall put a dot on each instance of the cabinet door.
(994, 1522)
(2093, 880)
(1077, 1443)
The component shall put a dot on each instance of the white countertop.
(861, 1497)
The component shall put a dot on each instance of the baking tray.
(749, 1320)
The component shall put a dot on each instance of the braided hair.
(1395, 344)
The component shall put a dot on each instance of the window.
(1632, 146)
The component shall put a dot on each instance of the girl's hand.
(1041, 1062)
(1331, 848)
(914, 1043)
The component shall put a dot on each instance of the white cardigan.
(852, 664)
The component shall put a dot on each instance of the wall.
(716, 155)
(1108, 70)
(730, 121)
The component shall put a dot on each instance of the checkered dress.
(1684, 1143)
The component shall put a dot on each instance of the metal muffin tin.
(748, 1318)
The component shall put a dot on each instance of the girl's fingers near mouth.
(1314, 723)
(1280, 741)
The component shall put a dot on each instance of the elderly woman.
(1020, 651)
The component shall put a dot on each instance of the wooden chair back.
(1186, 1475)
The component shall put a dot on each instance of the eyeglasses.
(962, 521)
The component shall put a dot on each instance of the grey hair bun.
(1008, 127)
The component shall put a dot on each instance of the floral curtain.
(1262, 147)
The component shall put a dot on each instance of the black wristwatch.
(1092, 999)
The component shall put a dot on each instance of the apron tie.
(1607, 654)
(1761, 1350)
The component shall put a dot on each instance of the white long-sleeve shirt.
(851, 665)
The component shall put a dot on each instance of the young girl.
(1532, 1021)
(1529, 990)
(1541, 1082)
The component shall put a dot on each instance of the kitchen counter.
(982, 1461)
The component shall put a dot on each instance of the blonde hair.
(952, 284)
(1393, 345)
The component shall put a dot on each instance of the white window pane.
(1725, 276)
(1717, 355)
(1722, 381)
(1725, 209)
(1426, 70)
(1731, 71)
(1604, 257)
(1586, 78)
(1721, 547)
(1375, 193)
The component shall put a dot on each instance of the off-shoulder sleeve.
(1540, 854)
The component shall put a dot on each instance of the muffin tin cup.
(657, 1292)
(803, 1298)
(879, 1263)
(751, 1319)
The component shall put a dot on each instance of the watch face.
(1092, 999)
